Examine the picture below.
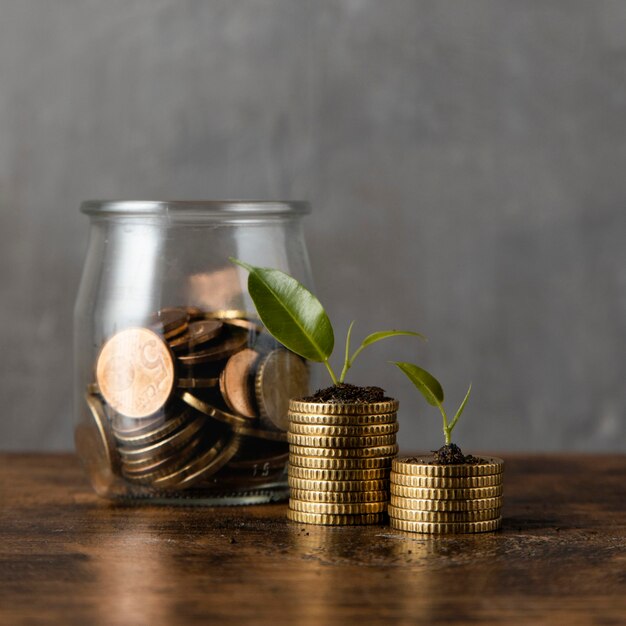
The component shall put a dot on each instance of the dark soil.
(451, 454)
(344, 393)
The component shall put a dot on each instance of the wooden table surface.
(67, 557)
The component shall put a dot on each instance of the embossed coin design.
(135, 372)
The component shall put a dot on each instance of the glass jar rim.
(196, 208)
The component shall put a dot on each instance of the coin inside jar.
(281, 375)
(170, 322)
(236, 382)
(215, 353)
(198, 333)
(135, 372)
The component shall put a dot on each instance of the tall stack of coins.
(339, 461)
(438, 499)
(192, 399)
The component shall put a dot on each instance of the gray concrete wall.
(466, 162)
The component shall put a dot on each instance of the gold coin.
(159, 430)
(197, 383)
(330, 408)
(423, 493)
(135, 372)
(130, 427)
(438, 528)
(250, 326)
(280, 376)
(443, 516)
(96, 448)
(164, 446)
(335, 520)
(235, 382)
(320, 462)
(342, 497)
(323, 430)
(342, 420)
(340, 474)
(340, 453)
(202, 466)
(217, 352)
(479, 504)
(341, 442)
(446, 482)
(330, 508)
(206, 408)
(226, 314)
(421, 465)
(338, 485)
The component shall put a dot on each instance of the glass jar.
(181, 394)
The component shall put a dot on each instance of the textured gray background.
(466, 162)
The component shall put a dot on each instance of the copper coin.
(235, 382)
(215, 353)
(212, 411)
(198, 333)
(170, 322)
(281, 375)
(135, 372)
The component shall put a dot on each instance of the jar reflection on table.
(180, 392)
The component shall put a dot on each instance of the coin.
(212, 411)
(340, 474)
(330, 408)
(135, 372)
(280, 376)
(216, 352)
(130, 427)
(198, 334)
(443, 516)
(340, 453)
(339, 464)
(446, 482)
(341, 442)
(339, 496)
(422, 493)
(341, 420)
(330, 508)
(96, 447)
(163, 447)
(160, 430)
(202, 466)
(338, 485)
(226, 314)
(235, 382)
(170, 321)
(421, 465)
(335, 520)
(343, 431)
(260, 433)
(438, 528)
(479, 504)
(252, 327)
(197, 383)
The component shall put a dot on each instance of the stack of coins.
(191, 399)
(339, 461)
(437, 499)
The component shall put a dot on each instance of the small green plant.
(297, 319)
(432, 391)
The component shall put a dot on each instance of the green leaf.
(428, 385)
(383, 334)
(461, 408)
(290, 312)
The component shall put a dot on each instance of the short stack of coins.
(339, 461)
(445, 499)
(192, 398)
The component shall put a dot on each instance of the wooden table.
(67, 557)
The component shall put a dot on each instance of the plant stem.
(330, 371)
(447, 432)
(346, 362)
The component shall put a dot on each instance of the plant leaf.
(461, 408)
(384, 334)
(428, 385)
(290, 312)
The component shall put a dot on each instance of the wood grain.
(67, 557)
